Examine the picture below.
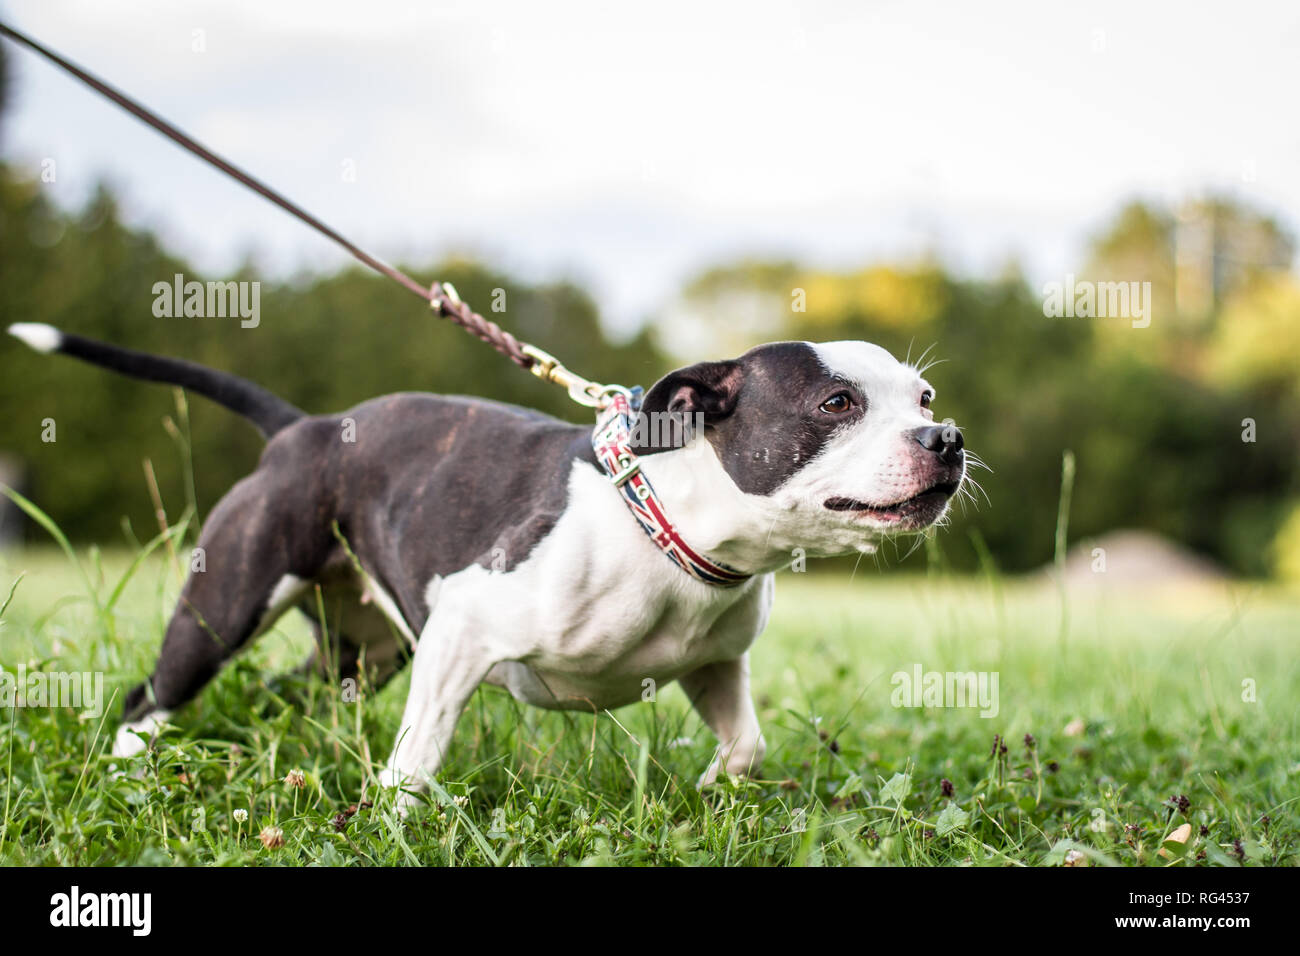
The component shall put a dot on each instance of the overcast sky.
(629, 145)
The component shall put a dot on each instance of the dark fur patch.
(775, 425)
(435, 483)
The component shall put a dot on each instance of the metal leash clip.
(583, 391)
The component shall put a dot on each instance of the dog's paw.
(709, 777)
(129, 740)
(407, 795)
(740, 760)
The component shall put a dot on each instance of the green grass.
(1152, 685)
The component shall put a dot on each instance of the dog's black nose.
(944, 440)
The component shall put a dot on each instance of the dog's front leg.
(720, 694)
(447, 667)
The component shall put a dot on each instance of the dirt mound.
(1130, 557)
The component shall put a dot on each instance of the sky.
(630, 146)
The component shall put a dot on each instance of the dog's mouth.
(915, 512)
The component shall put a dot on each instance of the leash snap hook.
(583, 391)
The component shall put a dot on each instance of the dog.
(485, 543)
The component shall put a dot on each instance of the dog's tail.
(268, 412)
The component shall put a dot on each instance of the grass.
(1135, 706)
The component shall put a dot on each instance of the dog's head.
(837, 439)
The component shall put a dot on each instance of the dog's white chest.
(629, 646)
(596, 616)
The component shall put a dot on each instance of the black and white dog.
(487, 538)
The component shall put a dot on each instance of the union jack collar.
(612, 442)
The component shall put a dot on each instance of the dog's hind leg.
(356, 639)
(260, 546)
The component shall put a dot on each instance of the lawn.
(1118, 721)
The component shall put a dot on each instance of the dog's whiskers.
(920, 358)
(855, 566)
(919, 540)
(929, 365)
(965, 491)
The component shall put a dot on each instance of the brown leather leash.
(441, 296)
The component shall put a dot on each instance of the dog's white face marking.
(873, 472)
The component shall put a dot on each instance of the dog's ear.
(710, 388)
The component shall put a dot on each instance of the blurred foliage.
(1257, 345)
(324, 345)
(1154, 415)
(1286, 547)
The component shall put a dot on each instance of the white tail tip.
(38, 335)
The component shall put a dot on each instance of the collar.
(612, 442)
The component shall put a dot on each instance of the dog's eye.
(926, 397)
(837, 404)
